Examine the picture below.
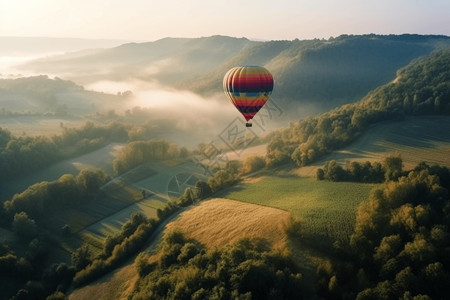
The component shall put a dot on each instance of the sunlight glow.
(143, 20)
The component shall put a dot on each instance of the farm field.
(417, 139)
(327, 209)
(218, 222)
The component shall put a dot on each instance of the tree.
(23, 226)
(202, 189)
(320, 174)
(393, 166)
(253, 163)
(90, 180)
(81, 257)
(187, 198)
(333, 171)
(142, 265)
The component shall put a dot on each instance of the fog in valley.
(182, 116)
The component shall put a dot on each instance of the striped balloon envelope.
(249, 88)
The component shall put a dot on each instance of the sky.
(149, 20)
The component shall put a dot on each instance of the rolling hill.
(328, 72)
(41, 95)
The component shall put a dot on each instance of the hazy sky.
(147, 20)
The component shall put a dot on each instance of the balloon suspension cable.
(248, 124)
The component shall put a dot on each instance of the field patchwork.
(144, 189)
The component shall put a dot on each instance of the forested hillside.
(400, 245)
(421, 88)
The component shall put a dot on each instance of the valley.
(154, 190)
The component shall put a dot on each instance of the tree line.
(390, 169)
(21, 155)
(136, 153)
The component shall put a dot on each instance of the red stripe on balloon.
(259, 102)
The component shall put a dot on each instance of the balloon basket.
(248, 124)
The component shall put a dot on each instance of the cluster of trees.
(400, 246)
(139, 152)
(245, 270)
(226, 176)
(116, 249)
(27, 275)
(390, 169)
(420, 88)
(40, 199)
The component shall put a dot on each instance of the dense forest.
(400, 246)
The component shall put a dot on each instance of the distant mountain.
(326, 72)
(167, 61)
(26, 46)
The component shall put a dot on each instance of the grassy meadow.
(218, 222)
(327, 209)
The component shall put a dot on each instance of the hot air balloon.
(248, 88)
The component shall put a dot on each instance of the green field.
(326, 208)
